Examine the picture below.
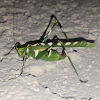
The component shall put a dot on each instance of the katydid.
(44, 48)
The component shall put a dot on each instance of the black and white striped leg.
(24, 59)
(46, 34)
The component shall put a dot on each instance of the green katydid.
(44, 47)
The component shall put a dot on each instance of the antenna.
(14, 24)
(13, 29)
(13, 21)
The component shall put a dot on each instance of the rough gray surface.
(54, 80)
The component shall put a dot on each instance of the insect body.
(44, 51)
(44, 47)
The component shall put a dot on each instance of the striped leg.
(24, 59)
(22, 66)
(45, 36)
(64, 55)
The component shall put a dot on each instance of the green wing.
(79, 44)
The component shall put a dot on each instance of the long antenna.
(14, 12)
(13, 29)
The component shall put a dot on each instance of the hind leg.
(46, 34)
